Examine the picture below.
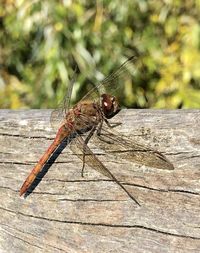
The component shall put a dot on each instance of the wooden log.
(68, 213)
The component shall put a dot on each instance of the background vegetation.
(41, 42)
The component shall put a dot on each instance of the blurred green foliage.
(41, 42)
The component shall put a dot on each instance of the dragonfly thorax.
(109, 105)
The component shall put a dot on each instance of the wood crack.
(87, 181)
(102, 224)
(163, 190)
(26, 137)
(89, 200)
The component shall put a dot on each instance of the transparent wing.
(115, 81)
(111, 84)
(58, 115)
(79, 148)
(130, 150)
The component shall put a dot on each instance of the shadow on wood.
(46, 167)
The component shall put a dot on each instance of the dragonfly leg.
(84, 147)
(83, 167)
(99, 128)
(100, 137)
(113, 124)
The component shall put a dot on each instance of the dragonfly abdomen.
(62, 133)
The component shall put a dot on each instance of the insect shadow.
(47, 166)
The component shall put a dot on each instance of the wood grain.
(68, 213)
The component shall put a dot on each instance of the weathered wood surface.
(68, 213)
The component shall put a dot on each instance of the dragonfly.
(90, 117)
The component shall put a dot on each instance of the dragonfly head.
(110, 105)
